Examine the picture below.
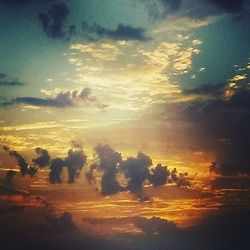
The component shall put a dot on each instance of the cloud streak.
(122, 32)
(61, 100)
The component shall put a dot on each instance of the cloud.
(108, 162)
(159, 175)
(54, 20)
(74, 162)
(5, 81)
(61, 100)
(22, 2)
(207, 90)
(157, 226)
(25, 169)
(137, 172)
(56, 168)
(122, 32)
(196, 9)
(230, 6)
(222, 127)
(43, 159)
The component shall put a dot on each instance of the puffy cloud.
(159, 175)
(108, 162)
(43, 159)
(74, 162)
(137, 172)
(56, 168)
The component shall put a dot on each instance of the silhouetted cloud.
(108, 161)
(20, 160)
(137, 171)
(56, 168)
(6, 81)
(62, 100)
(22, 163)
(43, 159)
(54, 20)
(122, 32)
(74, 163)
(159, 175)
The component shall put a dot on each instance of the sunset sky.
(94, 94)
(170, 78)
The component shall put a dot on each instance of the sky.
(124, 124)
(168, 78)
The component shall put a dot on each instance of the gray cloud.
(207, 89)
(122, 32)
(54, 20)
(6, 81)
(218, 125)
(136, 170)
(194, 8)
(62, 100)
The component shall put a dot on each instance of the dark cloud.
(122, 32)
(207, 89)
(159, 175)
(5, 81)
(53, 21)
(43, 159)
(62, 100)
(137, 172)
(231, 6)
(108, 161)
(56, 168)
(21, 162)
(74, 162)
(222, 126)
(231, 182)
(25, 169)
(197, 9)
(23, 2)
